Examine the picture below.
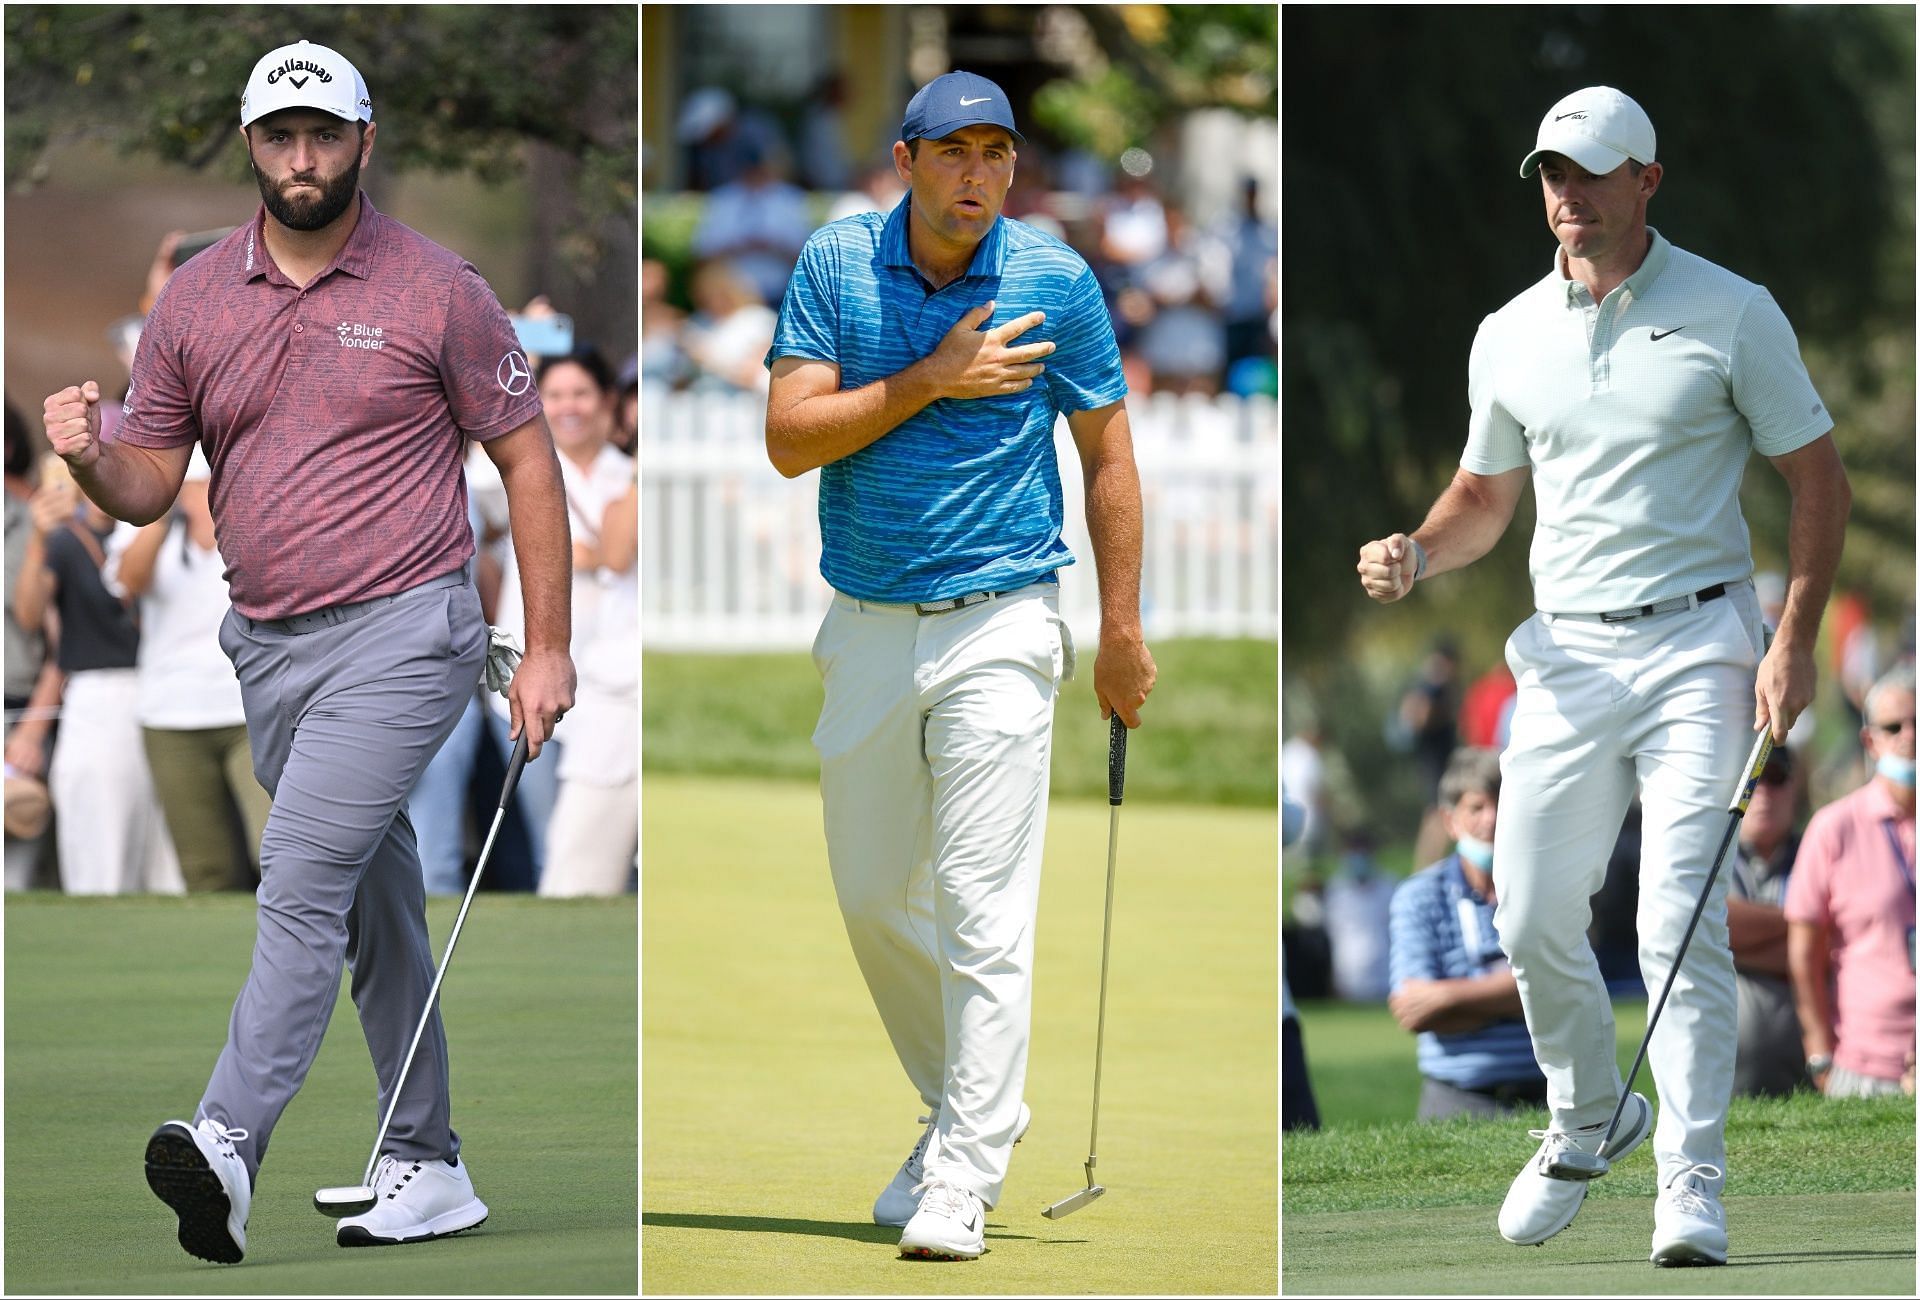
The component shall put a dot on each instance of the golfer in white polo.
(1632, 383)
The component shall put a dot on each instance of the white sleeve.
(117, 543)
(1770, 383)
(1496, 442)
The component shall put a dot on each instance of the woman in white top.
(187, 697)
(578, 394)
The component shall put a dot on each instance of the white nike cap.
(1598, 127)
(305, 75)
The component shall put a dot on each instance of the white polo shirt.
(1637, 415)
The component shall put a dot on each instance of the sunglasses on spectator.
(1893, 728)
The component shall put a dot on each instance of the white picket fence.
(730, 550)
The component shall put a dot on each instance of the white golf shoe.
(951, 1223)
(1538, 1206)
(417, 1200)
(1689, 1225)
(196, 1171)
(901, 1197)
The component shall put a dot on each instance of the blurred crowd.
(128, 768)
(1194, 306)
(1820, 886)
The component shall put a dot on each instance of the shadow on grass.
(873, 1232)
(1759, 1257)
(755, 1223)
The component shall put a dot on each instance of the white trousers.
(591, 840)
(1663, 705)
(934, 741)
(112, 835)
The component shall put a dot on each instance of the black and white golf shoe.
(417, 1200)
(196, 1171)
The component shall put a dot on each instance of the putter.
(1116, 781)
(1579, 1166)
(343, 1202)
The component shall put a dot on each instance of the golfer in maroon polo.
(332, 363)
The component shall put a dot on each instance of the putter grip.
(1116, 761)
(1756, 764)
(514, 766)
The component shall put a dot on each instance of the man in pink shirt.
(333, 363)
(1850, 914)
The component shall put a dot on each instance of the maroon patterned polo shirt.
(333, 416)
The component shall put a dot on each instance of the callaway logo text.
(292, 66)
(370, 337)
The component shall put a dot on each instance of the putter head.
(1084, 1197)
(1576, 1167)
(344, 1202)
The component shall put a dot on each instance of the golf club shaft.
(1756, 761)
(514, 765)
(1116, 789)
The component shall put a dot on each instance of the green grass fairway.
(1819, 1200)
(116, 1008)
(775, 1110)
(1211, 723)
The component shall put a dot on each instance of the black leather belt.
(1697, 599)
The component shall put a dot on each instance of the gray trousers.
(342, 719)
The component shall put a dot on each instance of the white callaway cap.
(305, 75)
(1598, 127)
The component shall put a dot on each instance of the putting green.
(1820, 1198)
(116, 1008)
(1832, 1244)
(774, 1110)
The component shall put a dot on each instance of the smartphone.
(195, 244)
(544, 336)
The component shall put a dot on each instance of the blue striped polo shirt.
(965, 495)
(1440, 929)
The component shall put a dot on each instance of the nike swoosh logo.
(969, 103)
(1577, 113)
(1657, 335)
(973, 1223)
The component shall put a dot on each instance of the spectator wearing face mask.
(1850, 913)
(1452, 984)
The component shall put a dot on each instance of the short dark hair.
(1470, 771)
(913, 147)
(1635, 168)
(588, 358)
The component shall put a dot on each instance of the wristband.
(1419, 558)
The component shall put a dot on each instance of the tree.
(483, 89)
(1156, 62)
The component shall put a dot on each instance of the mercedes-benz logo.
(513, 374)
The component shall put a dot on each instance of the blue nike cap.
(958, 99)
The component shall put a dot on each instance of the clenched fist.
(1387, 567)
(73, 423)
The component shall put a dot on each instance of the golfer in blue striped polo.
(920, 363)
